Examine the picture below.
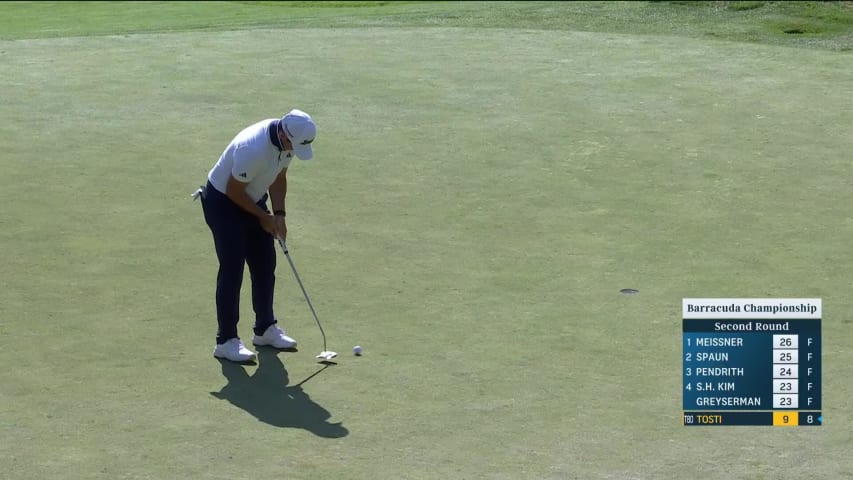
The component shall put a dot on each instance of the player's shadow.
(267, 396)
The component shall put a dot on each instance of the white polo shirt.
(250, 158)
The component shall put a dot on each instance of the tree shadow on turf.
(267, 396)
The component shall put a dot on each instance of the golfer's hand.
(268, 223)
(280, 227)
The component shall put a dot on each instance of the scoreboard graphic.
(751, 361)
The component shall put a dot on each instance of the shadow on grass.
(267, 396)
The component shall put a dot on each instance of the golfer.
(252, 169)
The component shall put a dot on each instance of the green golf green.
(487, 177)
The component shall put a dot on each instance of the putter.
(326, 355)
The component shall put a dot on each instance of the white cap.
(300, 130)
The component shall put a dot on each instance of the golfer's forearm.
(245, 202)
(278, 191)
(277, 199)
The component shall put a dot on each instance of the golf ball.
(356, 350)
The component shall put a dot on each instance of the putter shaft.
(304, 293)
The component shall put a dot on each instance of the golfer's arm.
(278, 190)
(236, 191)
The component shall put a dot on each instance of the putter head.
(326, 355)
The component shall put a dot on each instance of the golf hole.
(629, 291)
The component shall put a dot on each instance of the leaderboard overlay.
(752, 361)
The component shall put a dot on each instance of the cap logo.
(290, 135)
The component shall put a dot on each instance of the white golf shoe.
(233, 350)
(274, 337)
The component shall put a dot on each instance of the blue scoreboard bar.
(751, 361)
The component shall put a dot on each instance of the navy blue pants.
(240, 240)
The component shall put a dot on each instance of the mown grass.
(478, 198)
(808, 24)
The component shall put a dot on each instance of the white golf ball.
(356, 350)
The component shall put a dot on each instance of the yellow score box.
(786, 419)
